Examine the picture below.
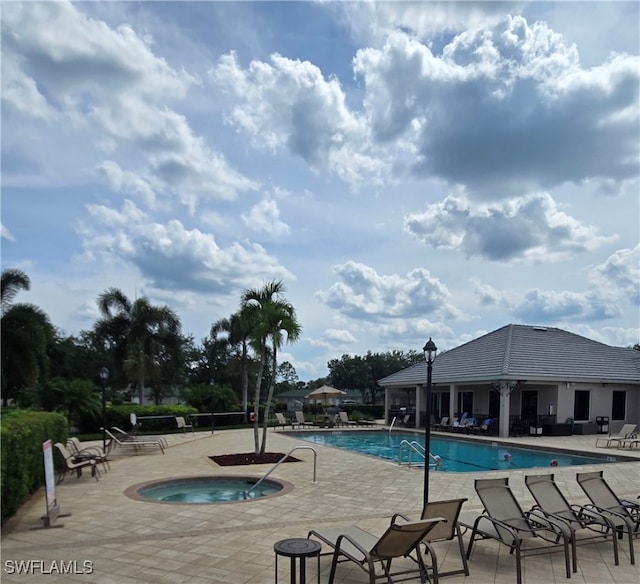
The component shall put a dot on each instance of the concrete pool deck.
(131, 542)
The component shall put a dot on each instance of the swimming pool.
(456, 455)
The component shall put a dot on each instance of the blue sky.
(409, 170)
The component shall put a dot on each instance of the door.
(529, 407)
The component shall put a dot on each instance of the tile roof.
(523, 352)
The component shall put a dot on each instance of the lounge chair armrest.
(396, 515)
(624, 517)
(353, 542)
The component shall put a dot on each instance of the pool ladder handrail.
(277, 464)
(414, 446)
(392, 423)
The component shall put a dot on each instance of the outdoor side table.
(300, 549)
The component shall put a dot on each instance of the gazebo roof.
(528, 353)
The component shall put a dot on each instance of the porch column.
(418, 404)
(452, 402)
(386, 405)
(505, 400)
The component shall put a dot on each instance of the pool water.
(207, 490)
(456, 455)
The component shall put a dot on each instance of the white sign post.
(53, 511)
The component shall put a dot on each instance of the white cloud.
(289, 104)
(341, 335)
(265, 217)
(531, 228)
(127, 182)
(372, 22)
(544, 306)
(363, 293)
(6, 234)
(487, 295)
(172, 257)
(109, 86)
(505, 110)
(621, 271)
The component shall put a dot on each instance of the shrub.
(21, 466)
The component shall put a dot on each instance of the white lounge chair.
(627, 431)
(345, 421)
(136, 443)
(282, 421)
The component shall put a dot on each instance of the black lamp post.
(430, 350)
(104, 375)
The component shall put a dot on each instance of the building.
(528, 379)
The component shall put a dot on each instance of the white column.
(505, 400)
(386, 406)
(452, 402)
(418, 404)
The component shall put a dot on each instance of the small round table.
(298, 548)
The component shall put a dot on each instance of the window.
(581, 406)
(619, 405)
(465, 402)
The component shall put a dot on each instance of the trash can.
(602, 422)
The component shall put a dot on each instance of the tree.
(363, 373)
(238, 330)
(273, 320)
(136, 332)
(78, 399)
(286, 378)
(26, 335)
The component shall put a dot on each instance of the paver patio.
(133, 542)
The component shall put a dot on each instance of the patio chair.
(585, 525)
(136, 443)
(182, 425)
(627, 431)
(442, 424)
(445, 531)
(345, 421)
(522, 532)
(400, 540)
(72, 465)
(624, 513)
(454, 425)
(81, 451)
(484, 428)
(301, 421)
(282, 421)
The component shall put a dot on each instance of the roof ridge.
(507, 351)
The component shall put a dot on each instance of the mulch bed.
(251, 458)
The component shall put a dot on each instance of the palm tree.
(238, 329)
(272, 317)
(26, 333)
(135, 331)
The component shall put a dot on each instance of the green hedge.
(21, 466)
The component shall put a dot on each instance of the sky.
(407, 169)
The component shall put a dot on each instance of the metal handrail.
(414, 446)
(277, 464)
(392, 423)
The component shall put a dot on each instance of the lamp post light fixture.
(430, 351)
(104, 376)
